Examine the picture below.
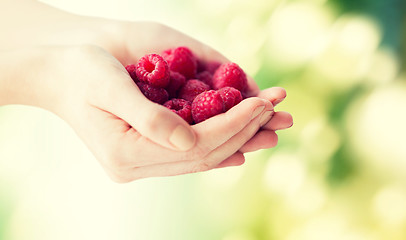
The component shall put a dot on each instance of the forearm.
(16, 67)
(29, 33)
(25, 23)
(26, 77)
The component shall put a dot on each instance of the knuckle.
(154, 120)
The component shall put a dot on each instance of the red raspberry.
(176, 81)
(201, 65)
(210, 66)
(192, 88)
(158, 95)
(182, 60)
(230, 96)
(230, 75)
(131, 70)
(205, 77)
(206, 105)
(181, 107)
(153, 69)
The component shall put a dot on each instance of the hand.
(132, 137)
(128, 134)
(128, 52)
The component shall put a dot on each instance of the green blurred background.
(338, 173)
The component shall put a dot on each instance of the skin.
(73, 66)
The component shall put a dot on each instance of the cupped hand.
(134, 138)
(157, 37)
(131, 136)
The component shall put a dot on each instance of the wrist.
(23, 79)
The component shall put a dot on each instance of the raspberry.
(153, 69)
(131, 70)
(181, 107)
(230, 75)
(176, 81)
(192, 88)
(158, 95)
(230, 96)
(198, 89)
(205, 77)
(201, 65)
(206, 105)
(211, 67)
(181, 60)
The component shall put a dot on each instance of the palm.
(111, 130)
(134, 45)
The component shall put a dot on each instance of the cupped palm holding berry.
(81, 77)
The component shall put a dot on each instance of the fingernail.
(182, 138)
(265, 118)
(277, 101)
(257, 111)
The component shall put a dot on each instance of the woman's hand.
(131, 136)
(157, 37)
(79, 75)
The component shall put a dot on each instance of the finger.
(280, 120)
(158, 170)
(264, 139)
(178, 168)
(151, 120)
(212, 160)
(217, 130)
(210, 135)
(237, 159)
(234, 143)
(274, 94)
(253, 89)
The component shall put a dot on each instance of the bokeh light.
(378, 128)
(306, 21)
(338, 173)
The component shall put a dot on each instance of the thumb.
(151, 120)
(161, 125)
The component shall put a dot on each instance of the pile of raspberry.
(194, 89)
